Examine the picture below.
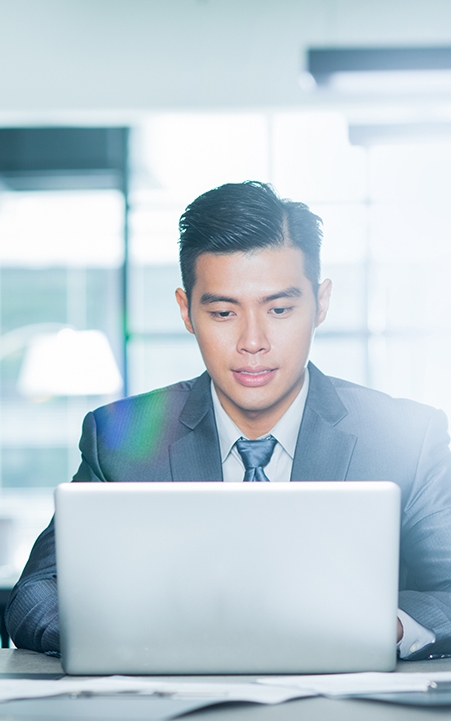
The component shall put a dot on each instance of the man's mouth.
(253, 377)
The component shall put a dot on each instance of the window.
(61, 264)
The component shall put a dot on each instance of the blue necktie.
(256, 455)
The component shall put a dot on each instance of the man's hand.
(400, 631)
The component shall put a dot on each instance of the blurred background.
(115, 114)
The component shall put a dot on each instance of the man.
(252, 297)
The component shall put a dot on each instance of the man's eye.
(280, 311)
(222, 314)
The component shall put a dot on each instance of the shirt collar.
(285, 431)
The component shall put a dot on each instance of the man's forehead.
(265, 275)
(282, 254)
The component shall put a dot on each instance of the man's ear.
(324, 291)
(182, 300)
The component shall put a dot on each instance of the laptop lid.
(203, 578)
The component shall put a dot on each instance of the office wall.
(82, 55)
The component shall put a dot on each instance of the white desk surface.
(14, 661)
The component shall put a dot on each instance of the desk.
(312, 709)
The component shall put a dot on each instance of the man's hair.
(241, 217)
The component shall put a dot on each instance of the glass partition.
(60, 266)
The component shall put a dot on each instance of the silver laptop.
(225, 578)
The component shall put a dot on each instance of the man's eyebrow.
(207, 298)
(292, 292)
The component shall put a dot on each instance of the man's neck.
(256, 427)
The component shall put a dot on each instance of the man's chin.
(254, 402)
(255, 406)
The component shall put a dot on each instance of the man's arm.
(425, 584)
(32, 612)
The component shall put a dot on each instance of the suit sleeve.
(425, 582)
(32, 612)
(89, 469)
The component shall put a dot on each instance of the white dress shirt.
(278, 470)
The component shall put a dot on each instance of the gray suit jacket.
(347, 433)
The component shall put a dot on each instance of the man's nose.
(253, 338)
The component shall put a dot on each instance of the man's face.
(254, 315)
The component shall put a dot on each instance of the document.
(266, 690)
(216, 692)
(359, 684)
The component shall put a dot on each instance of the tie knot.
(256, 455)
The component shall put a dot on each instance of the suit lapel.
(323, 452)
(196, 455)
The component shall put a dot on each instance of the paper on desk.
(356, 684)
(15, 689)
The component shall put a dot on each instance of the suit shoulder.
(382, 403)
(135, 431)
(171, 396)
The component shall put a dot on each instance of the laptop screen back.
(169, 578)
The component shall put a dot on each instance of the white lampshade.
(69, 363)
